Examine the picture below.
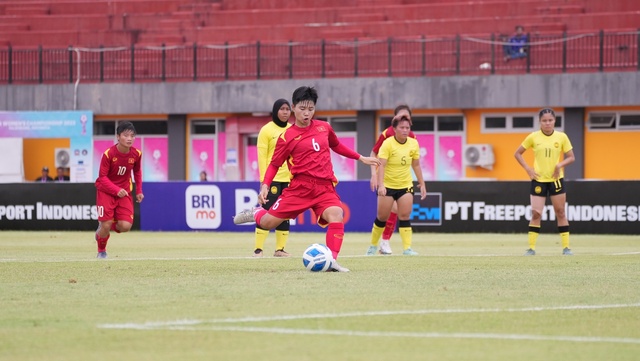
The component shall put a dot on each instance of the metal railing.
(392, 57)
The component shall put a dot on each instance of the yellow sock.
(534, 231)
(261, 237)
(281, 239)
(406, 235)
(565, 239)
(376, 232)
(564, 236)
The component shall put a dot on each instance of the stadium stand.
(58, 24)
(93, 23)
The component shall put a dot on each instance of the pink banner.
(155, 159)
(202, 159)
(99, 147)
(222, 157)
(450, 158)
(427, 158)
(344, 168)
(251, 170)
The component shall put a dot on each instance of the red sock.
(113, 227)
(335, 234)
(390, 226)
(259, 214)
(102, 243)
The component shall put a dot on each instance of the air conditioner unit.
(479, 155)
(62, 157)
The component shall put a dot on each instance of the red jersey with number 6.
(115, 171)
(307, 150)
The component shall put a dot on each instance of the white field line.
(458, 335)
(365, 314)
(196, 325)
(115, 259)
(624, 253)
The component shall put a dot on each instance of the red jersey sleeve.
(103, 183)
(137, 173)
(271, 172)
(389, 132)
(282, 151)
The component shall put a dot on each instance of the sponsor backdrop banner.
(51, 206)
(503, 207)
(182, 206)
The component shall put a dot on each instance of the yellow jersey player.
(267, 139)
(400, 111)
(547, 176)
(398, 155)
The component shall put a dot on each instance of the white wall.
(11, 162)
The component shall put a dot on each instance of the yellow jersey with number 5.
(397, 171)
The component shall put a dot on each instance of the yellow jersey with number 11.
(547, 150)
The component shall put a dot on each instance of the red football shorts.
(306, 193)
(113, 207)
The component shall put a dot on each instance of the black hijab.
(274, 112)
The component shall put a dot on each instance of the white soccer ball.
(317, 258)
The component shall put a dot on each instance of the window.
(104, 128)
(495, 122)
(525, 123)
(343, 124)
(450, 123)
(419, 123)
(629, 120)
(150, 126)
(203, 127)
(109, 127)
(614, 120)
(558, 121)
(602, 120)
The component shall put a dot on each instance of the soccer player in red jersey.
(114, 201)
(399, 112)
(305, 146)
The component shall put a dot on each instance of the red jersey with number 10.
(307, 150)
(115, 171)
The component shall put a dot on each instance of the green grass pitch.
(201, 296)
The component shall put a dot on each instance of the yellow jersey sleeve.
(267, 139)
